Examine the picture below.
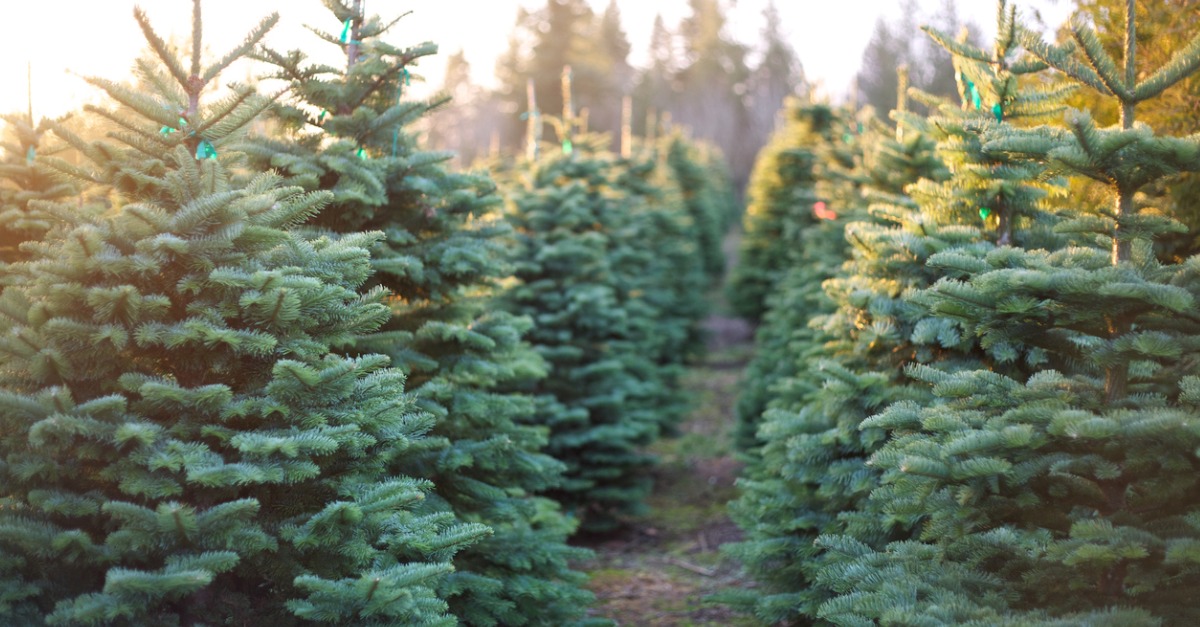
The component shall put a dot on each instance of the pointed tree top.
(195, 80)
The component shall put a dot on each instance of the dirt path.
(658, 571)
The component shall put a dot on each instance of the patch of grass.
(691, 495)
(707, 432)
(733, 357)
(690, 446)
(658, 592)
(608, 578)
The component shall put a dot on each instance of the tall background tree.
(1163, 29)
(566, 33)
(777, 75)
(896, 44)
(697, 76)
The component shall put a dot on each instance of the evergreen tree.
(180, 444)
(720, 178)
(826, 360)
(689, 204)
(605, 112)
(439, 260)
(705, 198)
(780, 201)
(602, 290)
(1061, 476)
(653, 89)
(712, 83)
(811, 249)
(1163, 29)
(777, 75)
(663, 248)
(816, 449)
(24, 184)
(568, 33)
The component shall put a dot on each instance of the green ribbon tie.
(205, 150)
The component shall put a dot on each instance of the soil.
(659, 570)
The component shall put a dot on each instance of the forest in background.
(697, 76)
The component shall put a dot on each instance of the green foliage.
(845, 358)
(1162, 30)
(25, 184)
(609, 268)
(826, 360)
(812, 248)
(346, 130)
(705, 185)
(600, 411)
(664, 254)
(780, 204)
(1050, 478)
(180, 444)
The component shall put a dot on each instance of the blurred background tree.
(696, 75)
(903, 43)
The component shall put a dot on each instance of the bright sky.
(86, 37)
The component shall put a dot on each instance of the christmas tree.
(346, 130)
(180, 443)
(609, 267)
(25, 184)
(659, 265)
(1057, 477)
(1160, 34)
(704, 187)
(679, 200)
(837, 339)
(792, 242)
(602, 396)
(781, 198)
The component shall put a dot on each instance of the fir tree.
(781, 198)
(346, 131)
(676, 195)
(25, 184)
(711, 211)
(1163, 28)
(793, 242)
(180, 444)
(831, 341)
(608, 266)
(816, 449)
(1062, 475)
(661, 260)
(603, 400)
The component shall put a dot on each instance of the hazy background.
(101, 38)
(719, 68)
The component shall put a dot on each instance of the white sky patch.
(86, 37)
